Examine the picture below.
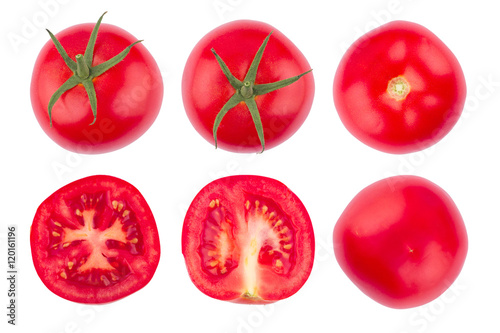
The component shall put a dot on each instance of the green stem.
(247, 90)
(82, 70)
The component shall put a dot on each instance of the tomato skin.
(233, 193)
(129, 95)
(205, 89)
(401, 241)
(58, 209)
(435, 100)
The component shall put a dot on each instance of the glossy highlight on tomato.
(401, 241)
(399, 88)
(127, 96)
(95, 240)
(248, 239)
(256, 117)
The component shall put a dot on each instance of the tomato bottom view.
(399, 88)
(248, 239)
(402, 241)
(95, 240)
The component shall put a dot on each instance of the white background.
(322, 163)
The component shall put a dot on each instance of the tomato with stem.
(246, 87)
(95, 88)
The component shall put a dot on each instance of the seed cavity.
(284, 230)
(272, 235)
(87, 247)
(217, 249)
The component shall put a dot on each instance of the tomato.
(248, 239)
(402, 241)
(123, 103)
(241, 97)
(95, 240)
(399, 89)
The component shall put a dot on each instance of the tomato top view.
(95, 240)
(399, 89)
(95, 88)
(248, 239)
(246, 87)
(402, 241)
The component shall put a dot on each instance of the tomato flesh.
(242, 245)
(93, 244)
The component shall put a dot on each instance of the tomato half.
(248, 239)
(399, 88)
(402, 241)
(206, 90)
(95, 240)
(128, 95)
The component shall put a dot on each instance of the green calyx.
(83, 71)
(246, 91)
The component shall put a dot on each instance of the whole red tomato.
(95, 240)
(104, 104)
(402, 241)
(399, 89)
(248, 239)
(241, 97)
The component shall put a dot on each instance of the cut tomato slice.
(248, 239)
(95, 240)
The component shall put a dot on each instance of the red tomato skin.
(430, 110)
(401, 241)
(230, 190)
(129, 95)
(144, 268)
(205, 89)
